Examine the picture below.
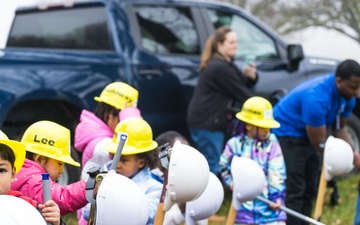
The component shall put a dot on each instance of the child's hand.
(51, 212)
(232, 187)
(276, 205)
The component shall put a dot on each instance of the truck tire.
(24, 114)
(353, 127)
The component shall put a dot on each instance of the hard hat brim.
(14, 210)
(109, 102)
(120, 199)
(187, 166)
(243, 168)
(208, 203)
(130, 150)
(64, 159)
(265, 123)
(19, 152)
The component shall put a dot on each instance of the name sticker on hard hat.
(122, 136)
(267, 114)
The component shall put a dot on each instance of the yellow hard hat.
(140, 137)
(258, 112)
(49, 139)
(17, 148)
(119, 95)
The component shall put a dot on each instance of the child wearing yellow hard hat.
(12, 156)
(254, 140)
(48, 149)
(95, 130)
(137, 159)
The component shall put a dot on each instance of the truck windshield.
(75, 28)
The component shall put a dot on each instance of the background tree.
(288, 16)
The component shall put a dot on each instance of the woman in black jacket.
(220, 82)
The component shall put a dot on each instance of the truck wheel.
(21, 116)
(353, 127)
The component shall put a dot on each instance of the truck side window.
(167, 29)
(252, 40)
(82, 28)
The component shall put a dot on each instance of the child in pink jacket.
(95, 130)
(12, 156)
(48, 149)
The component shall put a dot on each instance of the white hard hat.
(207, 204)
(120, 199)
(248, 178)
(338, 157)
(11, 206)
(188, 175)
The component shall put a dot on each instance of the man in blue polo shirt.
(306, 114)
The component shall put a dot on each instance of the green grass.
(71, 219)
(342, 214)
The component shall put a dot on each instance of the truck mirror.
(295, 54)
(277, 95)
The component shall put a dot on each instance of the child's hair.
(240, 130)
(150, 158)
(6, 153)
(31, 156)
(103, 110)
(170, 137)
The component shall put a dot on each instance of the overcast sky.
(315, 41)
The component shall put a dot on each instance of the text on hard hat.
(44, 141)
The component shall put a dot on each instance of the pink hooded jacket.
(29, 182)
(92, 133)
(88, 133)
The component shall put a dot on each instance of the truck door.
(165, 61)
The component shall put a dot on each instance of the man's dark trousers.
(302, 168)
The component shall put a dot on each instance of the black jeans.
(303, 169)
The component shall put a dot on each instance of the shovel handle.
(291, 212)
(116, 159)
(231, 216)
(320, 196)
(46, 189)
(160, 214)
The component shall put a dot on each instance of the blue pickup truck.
(59, 56)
